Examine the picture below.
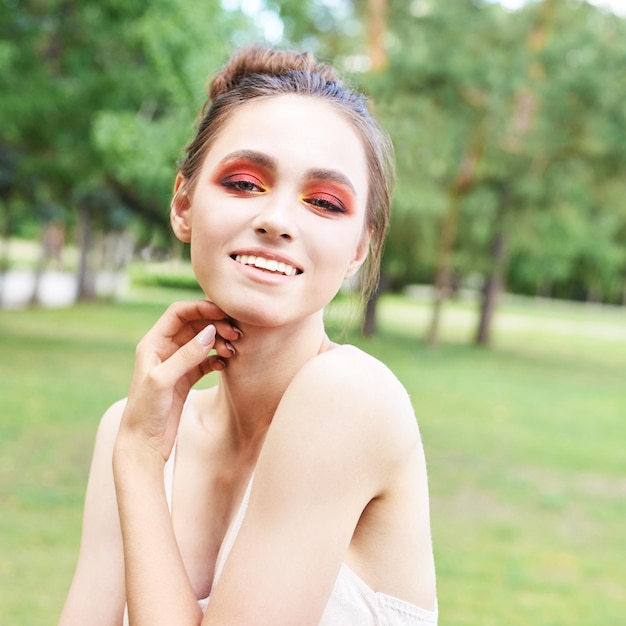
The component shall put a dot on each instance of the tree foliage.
(509, 126)
(104, 94)
(509, 132)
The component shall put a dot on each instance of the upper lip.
(267, 254)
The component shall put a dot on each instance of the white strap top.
(351, 603)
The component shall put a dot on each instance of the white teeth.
(266, 264)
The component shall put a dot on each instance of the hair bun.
(257, 59)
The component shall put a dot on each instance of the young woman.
(294, 492)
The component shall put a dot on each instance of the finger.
(224, 329)
(215, 363)
(206, 337)
(180, 314)
(187, 358)
(179, 324)
(224, 348)
(228, 330)
(212, 363)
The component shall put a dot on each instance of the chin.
(250, 313)
(255, 308)
(266, 315)
(246, 316)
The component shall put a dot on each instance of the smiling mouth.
(269, 265)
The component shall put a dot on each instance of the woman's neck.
(256, 378)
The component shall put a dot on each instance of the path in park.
(56, 288)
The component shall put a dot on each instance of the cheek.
(212, 223)
(338, 248)
(207, 237)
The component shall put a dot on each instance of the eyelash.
(244, 185)
(327, 205)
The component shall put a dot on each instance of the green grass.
(525, 444)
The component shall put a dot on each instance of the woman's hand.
(170, 359)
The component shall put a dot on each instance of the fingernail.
(219, 364)
(206, 336)
(230, 347)
(238, 331)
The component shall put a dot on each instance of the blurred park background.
(503, 291)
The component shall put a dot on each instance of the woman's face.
(277, 217)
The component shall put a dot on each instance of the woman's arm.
(343, 430)
(330, 450)
(158, 590)
(170, 359)
(96, 595)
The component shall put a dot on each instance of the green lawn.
(525, 444)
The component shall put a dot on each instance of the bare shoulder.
(342, 434)
(362, 381)
(358, 395)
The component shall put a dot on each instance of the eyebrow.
(260, 158)
(268, 162)
(332, 176)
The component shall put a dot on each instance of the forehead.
(299, 132)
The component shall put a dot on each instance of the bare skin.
(328, 432)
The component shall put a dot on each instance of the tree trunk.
(545, 288)
(444, 267)
(523, 117)
(463, 182)
(370, 325)
(369, 320)
(492, 290)
(86, 288)
(441, 288)
(377, 10)
(495, 279)
(4, 249)
(377, 26)
(38, 272)
(594, 295)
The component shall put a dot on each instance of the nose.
(276, 218)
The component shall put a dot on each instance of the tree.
(485, 128)
(444, 91)
(111, 94)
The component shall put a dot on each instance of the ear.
(180, 210)
(360, 254)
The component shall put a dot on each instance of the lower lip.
(263, 276)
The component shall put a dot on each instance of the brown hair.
(259, 72)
